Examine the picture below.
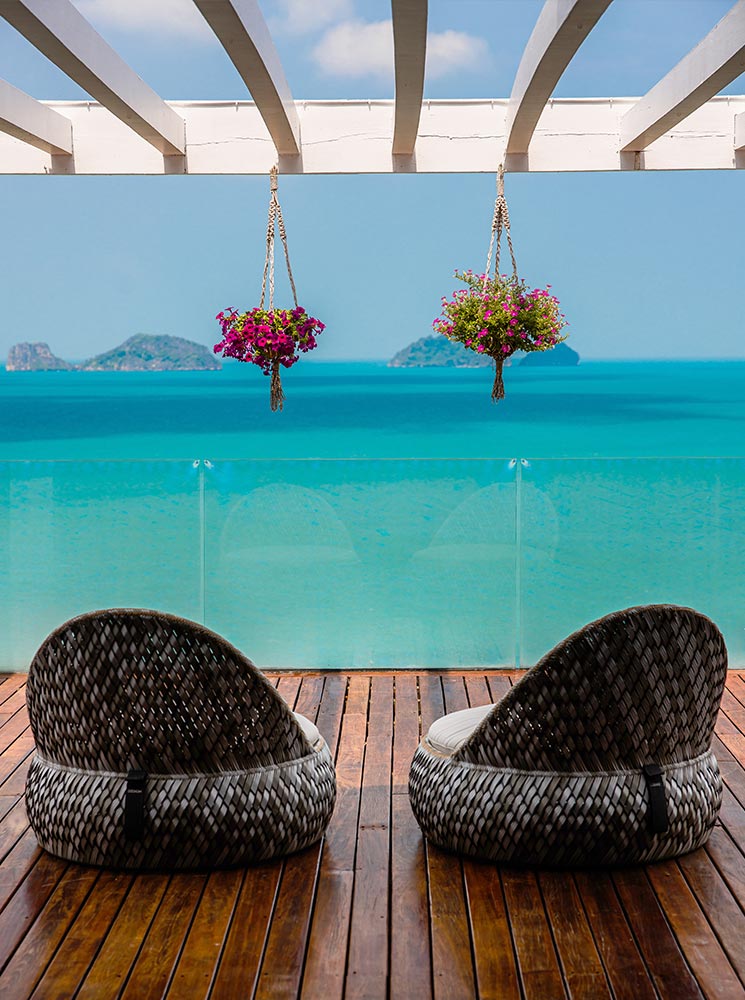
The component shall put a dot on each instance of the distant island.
(141, 353)
(439, 352)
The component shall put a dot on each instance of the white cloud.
(356, 48)
(164, 17)
(453, 50)
(301, 17)
(359, 49)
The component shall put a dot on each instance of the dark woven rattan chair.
(601, 754)
(160, 746)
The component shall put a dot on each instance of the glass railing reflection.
(83, 535)
(352, 564)
(374, 564)
(632, 531)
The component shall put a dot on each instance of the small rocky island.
(141, 353)
(35, 358)
(439, 352)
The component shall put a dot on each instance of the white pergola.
(126, 128)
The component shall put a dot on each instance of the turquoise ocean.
(386, 518)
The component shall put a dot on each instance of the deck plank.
(289, 932)
(373, 910)
(580, 962)
(11, 703)
(154, 965)
(411, 955)
(17, 760)
(698, 943)
(114, 961)
(659, 946)
(493, 947)
(730, 863)
(17, 863)
(15, 727)
(452, 963)
(368, 960)
(538, 963)
(11, 684)
(325, 971)
(50, 928)
(24, 906)
(716, 901)
(615, 942)
(77, 950)
(205, 941)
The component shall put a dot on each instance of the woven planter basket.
(160, 746)
(554, 775)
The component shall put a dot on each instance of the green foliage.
(499, 315)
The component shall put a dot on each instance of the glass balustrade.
(370, 563)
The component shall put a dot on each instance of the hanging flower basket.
(270, 337)
(498, 315)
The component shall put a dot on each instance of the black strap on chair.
(134, 805)
(658, 820)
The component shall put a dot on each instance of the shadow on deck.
(373, 912)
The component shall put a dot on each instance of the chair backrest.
(126, 689)
(638, 686)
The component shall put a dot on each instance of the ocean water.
(608, 409)
(388, 517)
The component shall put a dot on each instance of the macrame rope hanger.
(275, 217)
(500, 222)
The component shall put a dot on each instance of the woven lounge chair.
(160, 746)
(601, 754)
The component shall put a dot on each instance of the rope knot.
(273, 184)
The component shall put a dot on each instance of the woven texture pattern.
(230, 777)
(553, 775)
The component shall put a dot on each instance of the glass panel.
(337, 564)
(600, 535)
(77, 536)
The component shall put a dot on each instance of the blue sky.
(645, 265)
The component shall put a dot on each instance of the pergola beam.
(561, 28)
(354, 137)
(409, 55)
(56, 28)
(715, 62)
(27, 119)
(740, 133)
(242, 31)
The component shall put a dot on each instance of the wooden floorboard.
(373, 911)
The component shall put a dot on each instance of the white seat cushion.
(310, 732)
(446, 734)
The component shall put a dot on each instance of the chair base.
(570, 819)
(190, 821)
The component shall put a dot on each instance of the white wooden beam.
(29, 120)
(409, 54)
(354, 137)
(740, 132)
(561, 28)
(715, 62)
(56, 28)
(242, 31)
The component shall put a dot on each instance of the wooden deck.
(373, 912)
